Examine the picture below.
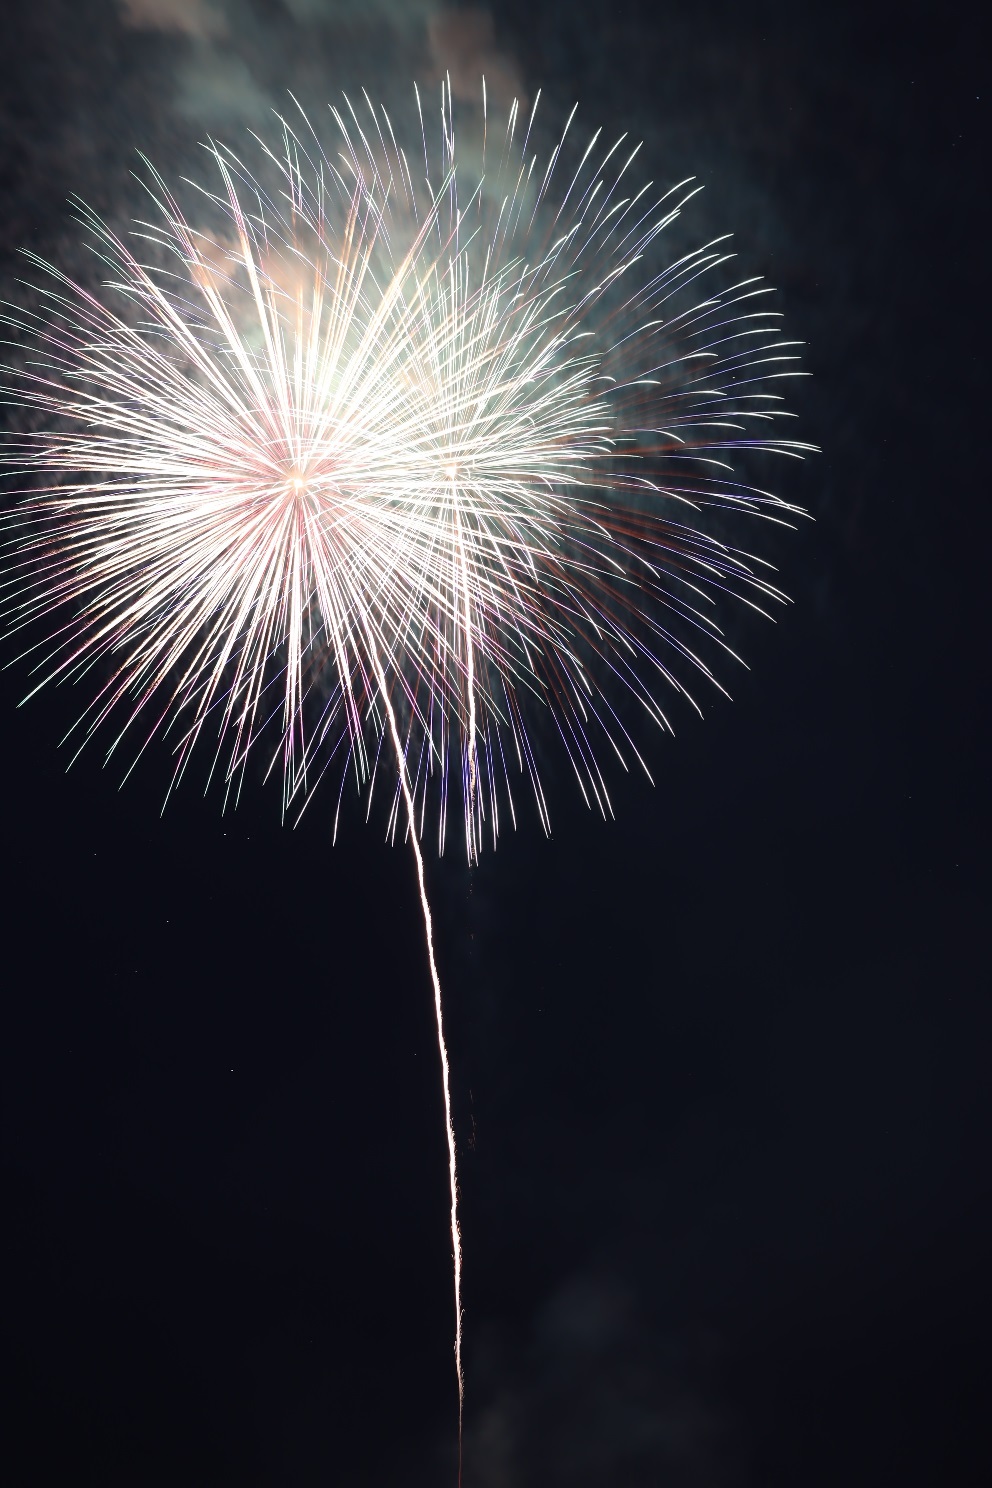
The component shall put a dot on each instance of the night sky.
(721, 1064)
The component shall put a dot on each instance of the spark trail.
(456, 1239)
(430, 463)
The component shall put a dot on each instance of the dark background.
(720, 1065)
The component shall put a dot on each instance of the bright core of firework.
(410, 451)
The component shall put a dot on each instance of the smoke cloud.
(240, 61)
(189, 17)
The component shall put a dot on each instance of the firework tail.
(456, 1239)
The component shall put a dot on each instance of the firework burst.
(408, 451)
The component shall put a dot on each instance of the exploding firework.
(401, 457)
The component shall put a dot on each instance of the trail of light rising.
(456, 1238)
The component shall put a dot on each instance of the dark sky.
(721, 1064)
